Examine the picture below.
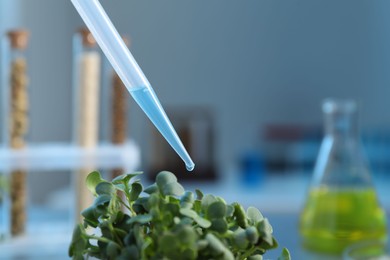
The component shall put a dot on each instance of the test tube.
(128, 70)
(119, 110)
(86, 90)
(18, 124)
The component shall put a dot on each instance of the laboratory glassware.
(86, 91)
(367, 250)
(17, 109)
(128, 70)
(341, 207)
(119, 109)
(86, 88)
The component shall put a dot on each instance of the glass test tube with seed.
(119, 105)
(18, 124)
(87, 66)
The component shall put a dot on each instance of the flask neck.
(340, 119)
(341, 161)
(341, 125)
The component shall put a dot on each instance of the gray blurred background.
(252, 63)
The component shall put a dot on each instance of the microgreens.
(166, 222)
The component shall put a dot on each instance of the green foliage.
(167, 223)
(285, 255)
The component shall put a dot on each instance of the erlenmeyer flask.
(342, 207)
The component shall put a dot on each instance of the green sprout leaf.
(218, 248)
(187, 200)
(125, 178)
(216, 210)
(264, 226)
(136, 189)
(254, 215)
(193, 215)
(164, 178)
(113, 249)
(199, 194)
(197, 206)
(219, 225)
(229, 211)
(252, 235)
(151, 189)
(189, 253)
(168, 244)
(240, 239)
(215, 244)
(202, 244)
(105, 188)
(202, 222)
(188, 213)
(90, 216)
(173, 188)
(121, 182)
(79, 243)
(141, 205)
(141, 219)
(102, 200)
(207, 200)
(93, 179)
(154, 200)
(187, 235)
(129, 253)
(285, 255)
(240, 216)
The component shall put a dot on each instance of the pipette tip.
(190, 167)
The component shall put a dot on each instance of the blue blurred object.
(252, 169)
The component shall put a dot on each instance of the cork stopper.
(87, 38)
(18, 39)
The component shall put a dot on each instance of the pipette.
(128, 70)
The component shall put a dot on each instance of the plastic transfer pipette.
(128, 70)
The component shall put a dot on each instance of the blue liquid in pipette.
(148, 101)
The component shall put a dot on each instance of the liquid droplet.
(190, 167)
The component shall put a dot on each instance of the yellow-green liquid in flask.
(335, 218)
